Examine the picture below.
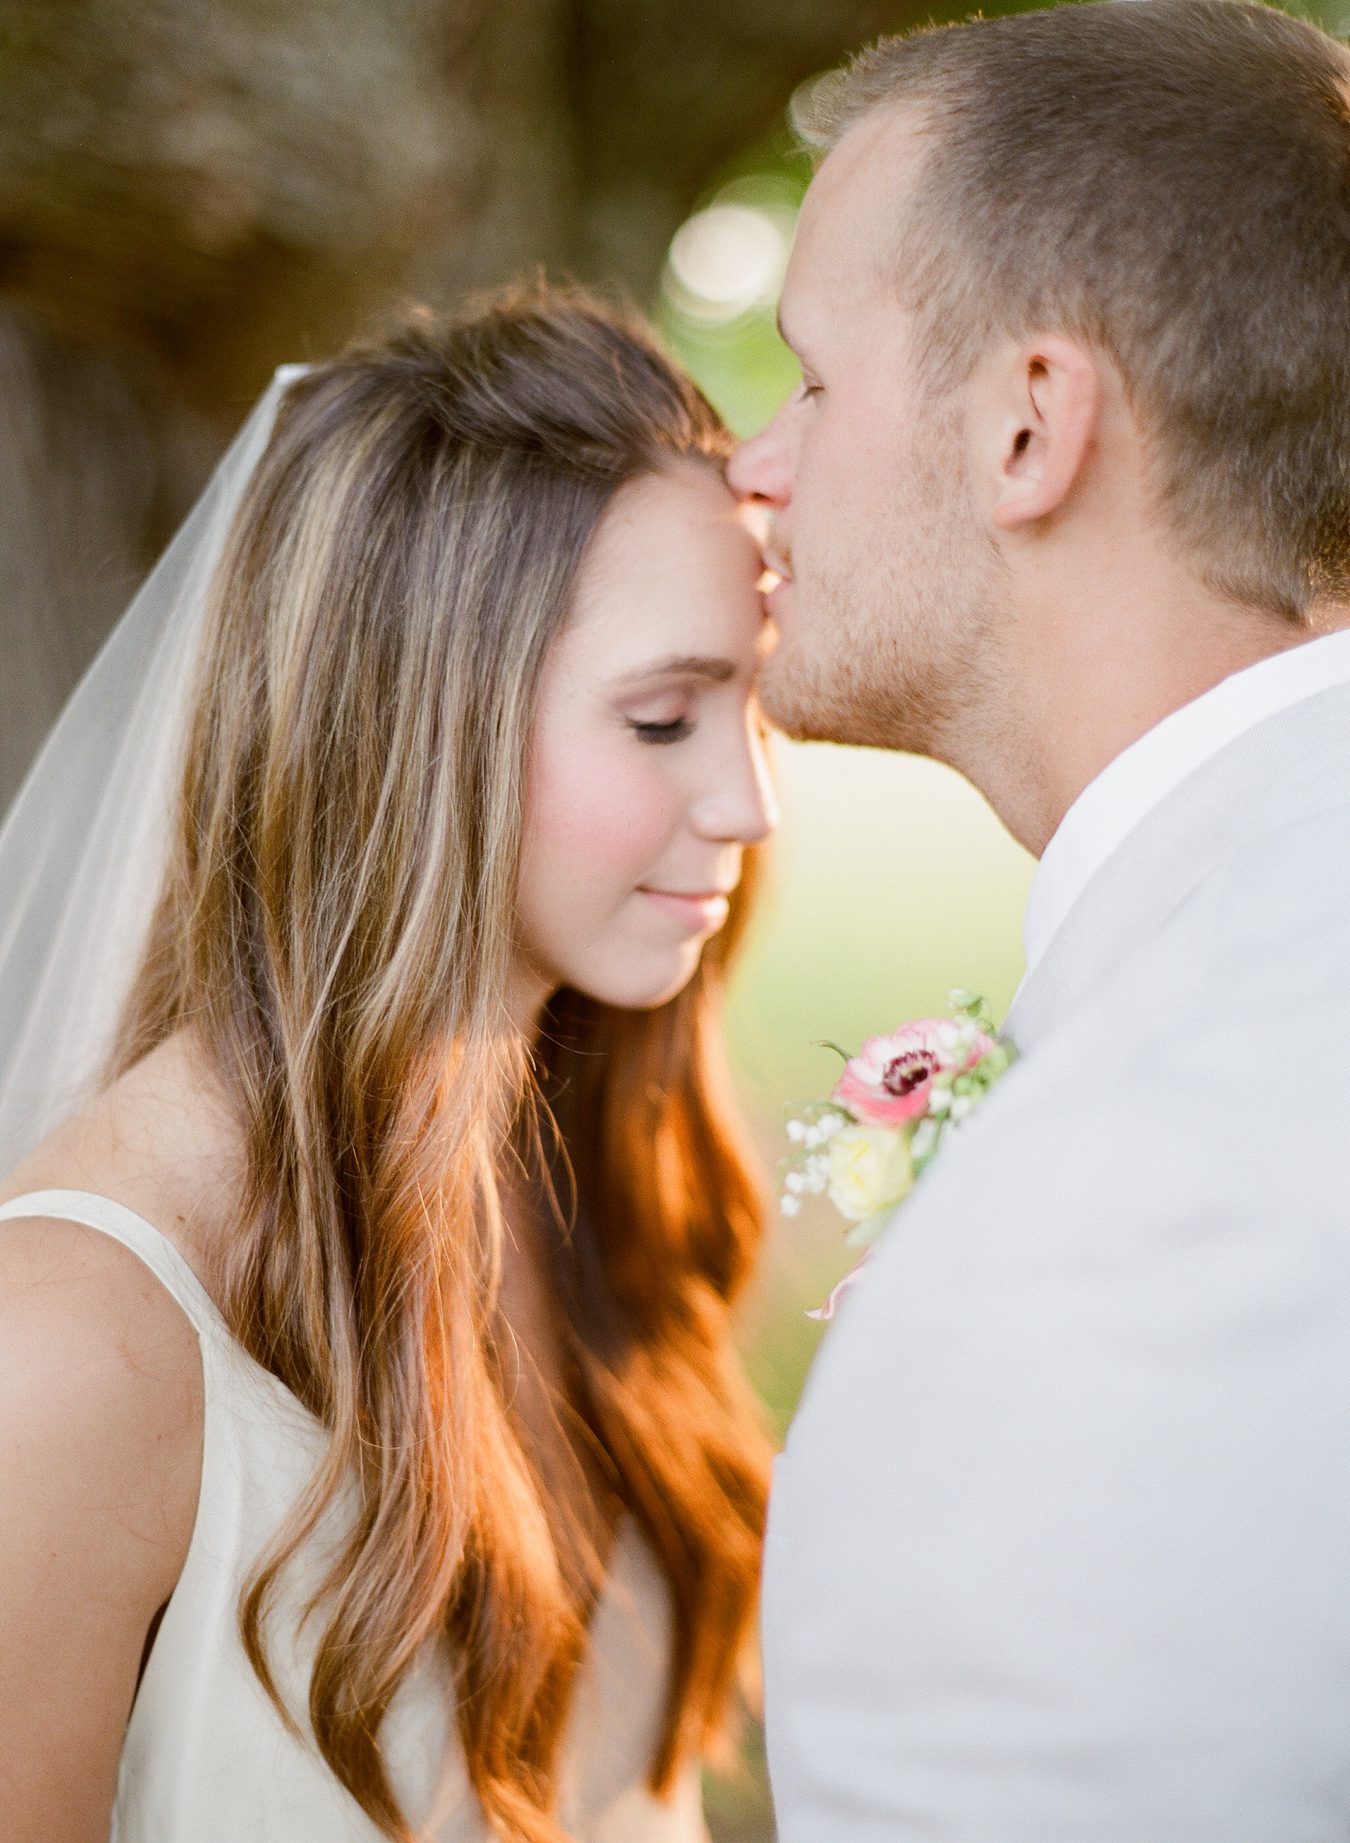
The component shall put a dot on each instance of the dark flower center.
(908, 1072)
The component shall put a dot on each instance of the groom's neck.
(1089, 673)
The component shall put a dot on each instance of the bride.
(376, 1462)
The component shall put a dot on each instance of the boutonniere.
(891, 1110)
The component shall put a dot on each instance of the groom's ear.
(1043, 409)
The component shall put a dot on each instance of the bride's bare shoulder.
(100, 1430)
(94, 1349)
(160, 1142)
(98, 1359)
(84, 1322)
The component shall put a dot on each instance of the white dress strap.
(134, 1232)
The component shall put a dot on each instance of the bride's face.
(647, 774)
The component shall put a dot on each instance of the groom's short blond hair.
(1168, 180)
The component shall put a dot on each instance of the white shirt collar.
(1141, 776)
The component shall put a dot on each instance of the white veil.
(83, 847)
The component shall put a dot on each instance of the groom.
(1059, 1550)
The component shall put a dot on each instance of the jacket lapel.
(1290, 767)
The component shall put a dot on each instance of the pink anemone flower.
(890, 1079)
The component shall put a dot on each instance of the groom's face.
(888, 571)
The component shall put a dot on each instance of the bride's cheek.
(604, 813)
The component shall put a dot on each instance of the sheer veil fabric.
(82, 849)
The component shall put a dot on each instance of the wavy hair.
(336, 928)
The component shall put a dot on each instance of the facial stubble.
(889, 639)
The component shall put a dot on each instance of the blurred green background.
(194, 191)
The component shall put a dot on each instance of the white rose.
(870, 1169)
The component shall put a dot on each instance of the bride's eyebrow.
(681, 665)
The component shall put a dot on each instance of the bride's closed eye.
(663, 713)
(674, 731)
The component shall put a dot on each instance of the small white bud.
(790, 1205)
(794, 1183)
(796, 1131)
(829, 1124)
(961, 1106)
(939, 1100)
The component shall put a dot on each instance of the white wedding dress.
(207, 1759)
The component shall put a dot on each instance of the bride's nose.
(741, 806)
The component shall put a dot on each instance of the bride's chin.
(639, 993)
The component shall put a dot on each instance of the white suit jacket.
(1059, 1547)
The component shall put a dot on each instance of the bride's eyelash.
(662, 732)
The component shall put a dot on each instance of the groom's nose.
(763, 467)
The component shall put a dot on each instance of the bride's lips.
(700, 911)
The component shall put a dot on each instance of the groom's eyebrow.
(682, 665)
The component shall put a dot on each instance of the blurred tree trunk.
(192, 191)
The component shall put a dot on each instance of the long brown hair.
(336, 927)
